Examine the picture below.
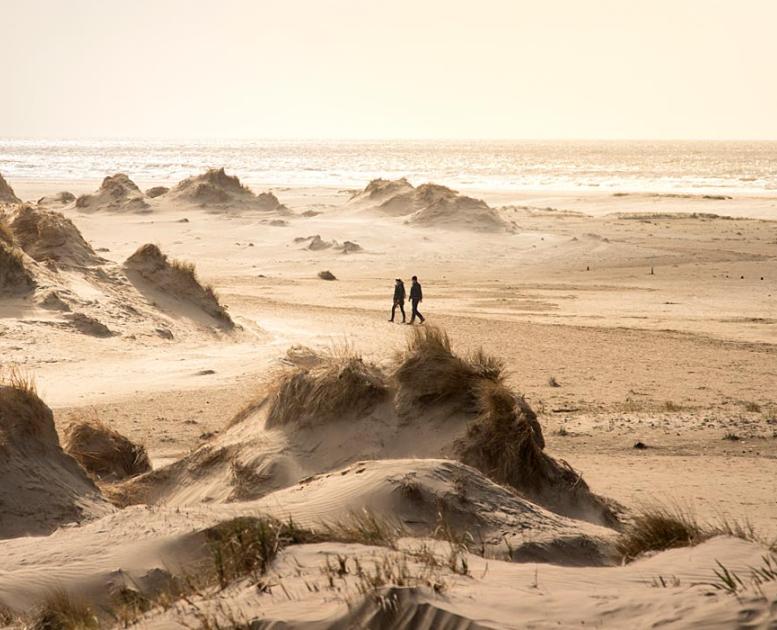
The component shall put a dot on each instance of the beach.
(639, 326)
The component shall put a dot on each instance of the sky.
(355, 69)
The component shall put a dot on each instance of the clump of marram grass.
(63, 611)
(24, 417)
(658, 528)
(102, 451)
(340, 385)
(429, 372)
(505, 442)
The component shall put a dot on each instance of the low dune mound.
(41, 487)
(117, 193)
(315, 244)
(103, 452)
(157, 191)
(178, 280)
(429, 205)
(58, 200)
(46, 235)
(7, 194)
(452, 210)
(380, 190)
(216, 189)
(349, 247)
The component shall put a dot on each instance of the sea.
(686, 167)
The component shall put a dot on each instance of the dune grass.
(340, 385)
(63, 611)
(661, 527)
(363, 527)
(428, 372)
(102, 451)
(246, 546)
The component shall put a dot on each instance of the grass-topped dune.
(176, 279)
(327, 409)
(41, 486)
(215, 189)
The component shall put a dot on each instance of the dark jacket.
(399, 292)
(415, 292)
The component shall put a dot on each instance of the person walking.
(399, 299)
(416, 296)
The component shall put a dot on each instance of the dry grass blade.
(364, 527)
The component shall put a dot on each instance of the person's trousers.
(394, 310)
(416, 312)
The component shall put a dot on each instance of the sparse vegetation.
(364, 527)
(659, 528)
(731, 437)
(672, 407)
(751, 406)
(326, 275)
(246, 546)
(63, 611)
(552, 382)
(730, 582)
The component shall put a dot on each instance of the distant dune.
(216, 189)
(117, 193)
(428, 205)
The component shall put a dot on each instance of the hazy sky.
(389, 69)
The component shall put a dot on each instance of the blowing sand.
(637, 337)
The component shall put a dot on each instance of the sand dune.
(428, 205)
(59, 200)
(215, 189)
(41, 487)
(48, 236)
(178, 280)
(117, 193)
(352, 411)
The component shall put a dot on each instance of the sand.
(656, 319)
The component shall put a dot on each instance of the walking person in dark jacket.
(399, 299)
(416, 296)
